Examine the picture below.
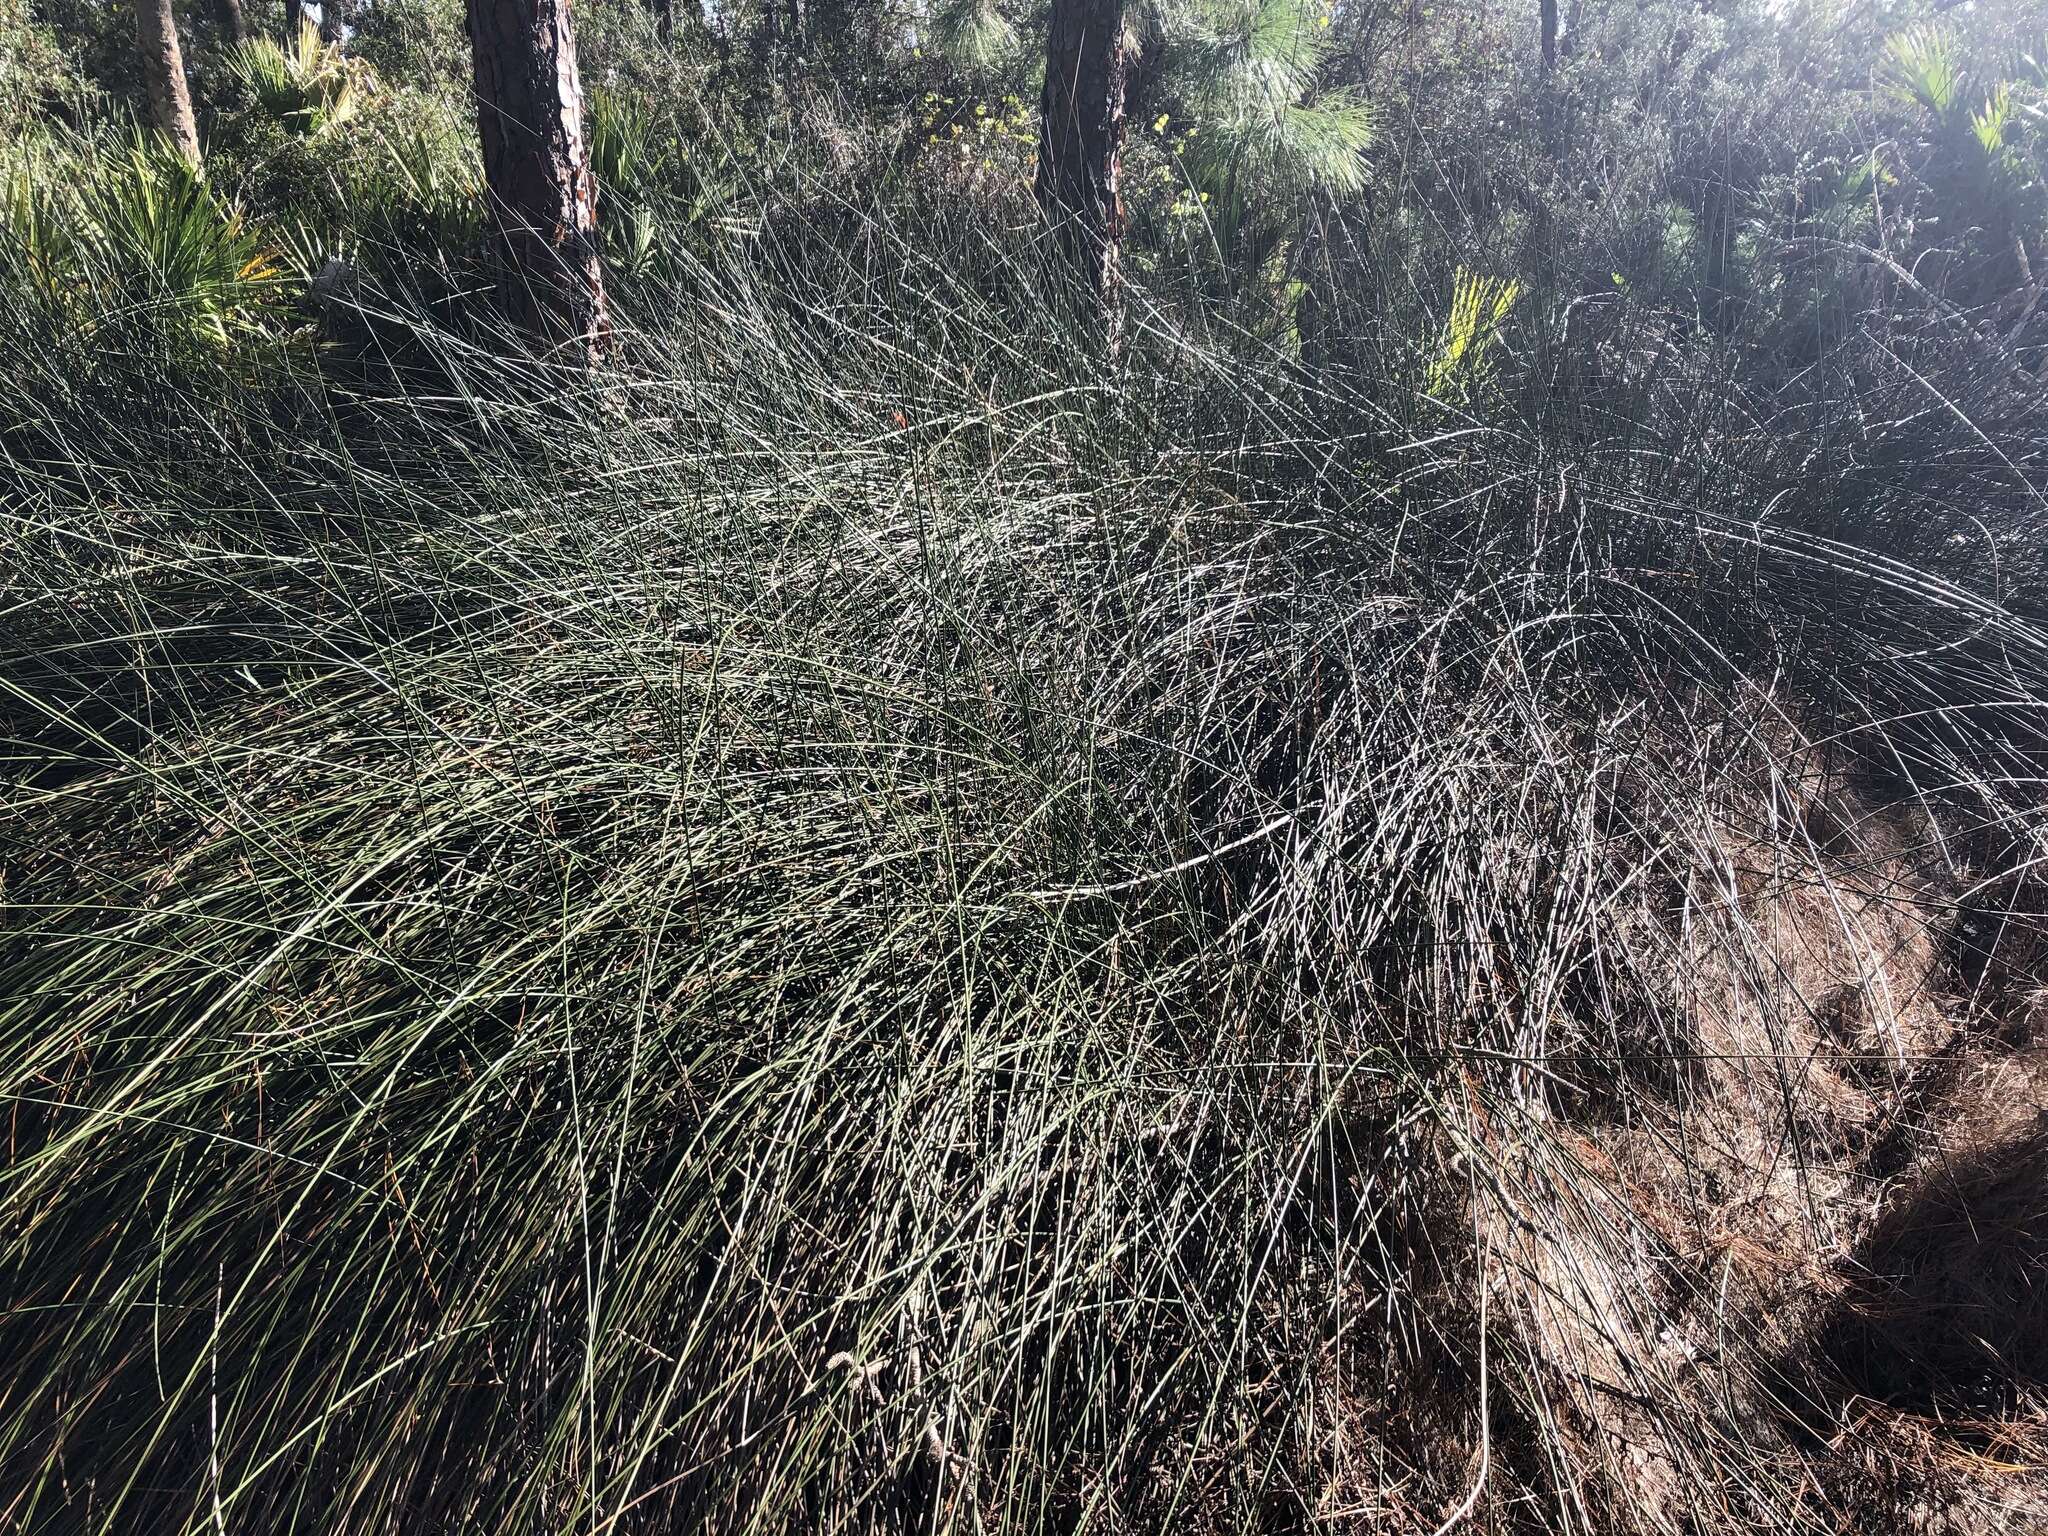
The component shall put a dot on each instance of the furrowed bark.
(537, 169)
(1080, 137)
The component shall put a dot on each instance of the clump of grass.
(864, 926)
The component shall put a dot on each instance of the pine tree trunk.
(537, 168)
(234, 31)
(1544, 226)
(330, 21)
(163, 71)
(294, 21)
(1717, 232)
(766, 43)
(1080, 136)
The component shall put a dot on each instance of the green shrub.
(117, 239)
(307, 85)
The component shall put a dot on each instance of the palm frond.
(1924, 66)
(1479, 307)
(309, 85)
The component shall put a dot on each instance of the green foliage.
(1925, 69)
(35, 71)
(308, 85)
(649, 181)
(95, 55)
(432, 171)
(1250, 56)
(420, 188)
(1249, 69)
(626, 150)
(132, 237)
(998, 136)
(976, 34)
(423, 45)
(1994, 124)
(1479, 307)
(1972, 166)
(1249, 142)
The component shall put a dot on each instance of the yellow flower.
(1159, 125)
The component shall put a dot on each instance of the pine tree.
(1081, 129)
(537, 168)
(163, 73)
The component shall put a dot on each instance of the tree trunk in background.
(163, 71)
(1543, 228)
(234, 31)
(766, 43)
(537, 168)
(330, 21)
(294, 20)
(1717, 232)
(1080, 135)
